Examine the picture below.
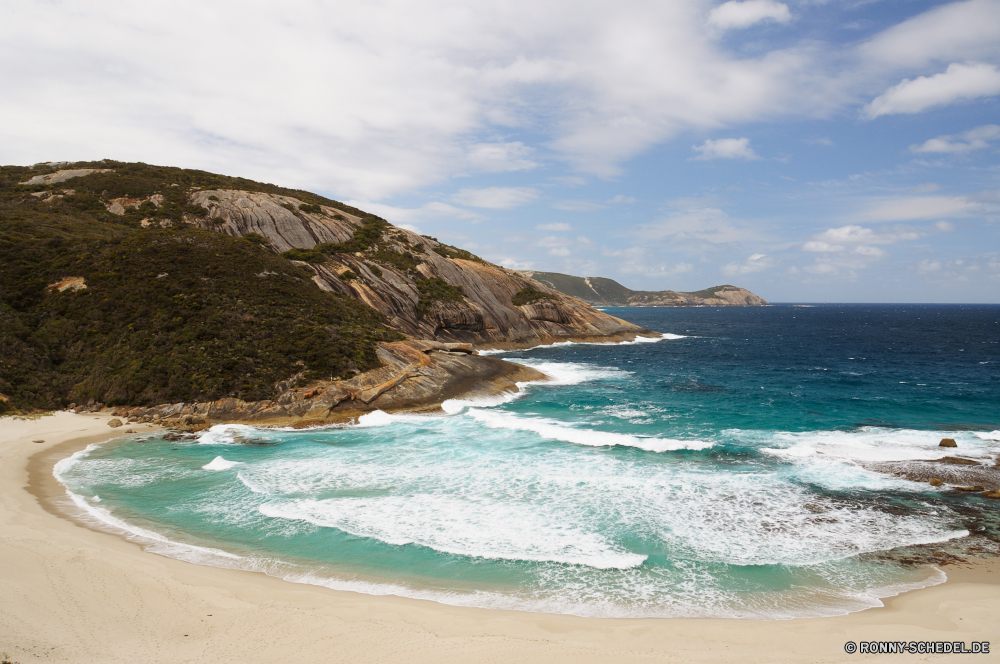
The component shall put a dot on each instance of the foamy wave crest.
(218, 463)
(869, 444)
(638, 340)
(571, 373)
(227, 434)
(554, 430)
(481, 528)
(988, 435)
(378, 418)
(455, 406)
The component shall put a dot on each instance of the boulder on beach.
(115, 423)
(947, 442)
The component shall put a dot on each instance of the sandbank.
(74, 594)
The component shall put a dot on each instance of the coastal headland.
(74, 593)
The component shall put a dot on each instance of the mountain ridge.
(601, 291)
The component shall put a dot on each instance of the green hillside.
(173, 314)
(608, 292)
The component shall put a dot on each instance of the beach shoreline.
(84, 595)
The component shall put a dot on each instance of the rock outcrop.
(608, 292)
(414, 376)
(385, 275)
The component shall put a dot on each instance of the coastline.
(82, 595)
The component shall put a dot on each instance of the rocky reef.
(415, 376)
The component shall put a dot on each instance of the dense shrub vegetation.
(168, 314)
(527, 295)
(436, 290)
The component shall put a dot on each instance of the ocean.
(751, 463)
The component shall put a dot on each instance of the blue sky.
(809, 151)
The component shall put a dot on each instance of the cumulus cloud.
(974, 139)
(960, 82)
(725, 148)
(838, 239)
(495, 198)
(919, 207)
(754, 263)
(735, 14)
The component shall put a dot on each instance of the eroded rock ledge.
(415, 376)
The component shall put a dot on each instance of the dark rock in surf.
(947, 442)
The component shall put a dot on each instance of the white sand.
(68, 593)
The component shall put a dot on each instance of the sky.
(809, 150)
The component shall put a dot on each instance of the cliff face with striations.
(386, 275)
(608, 292)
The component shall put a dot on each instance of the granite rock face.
(414, 376)
(486, 317)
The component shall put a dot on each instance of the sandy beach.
(74, 594)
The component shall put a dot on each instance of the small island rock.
(947, 442)
(936, 482)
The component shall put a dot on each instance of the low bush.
(434, 290)
(306, 255)
(529, 294)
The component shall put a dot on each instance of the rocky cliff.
(387, 274)
(133, 286)
(608, 292)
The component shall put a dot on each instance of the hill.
(131, 284)
(608, 292)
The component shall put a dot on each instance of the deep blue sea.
(724, 470)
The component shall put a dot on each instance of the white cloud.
(621, 198)
(974, 139)
(725, 148)
(705, 227)
(755, 263)
(735, 14)
(835, 240)
(496, 198)
(498, 157)
(960, 82)
(951, 32)
(578, 206)
(919, 207)
(429, 211)
(515, 263)
(369, 100)
(925, 266)
(554, 227)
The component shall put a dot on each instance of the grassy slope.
(208, 329)
(608, 291)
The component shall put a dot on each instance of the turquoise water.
(719, 471)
